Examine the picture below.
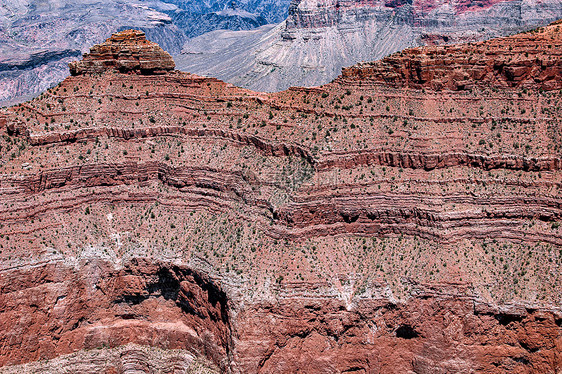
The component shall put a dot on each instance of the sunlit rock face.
(404, 218)
(125, 51)
(320, 37)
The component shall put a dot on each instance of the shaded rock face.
(124, 52)
(365, 226)
(199, 17)
(97, 306)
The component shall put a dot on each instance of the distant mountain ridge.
(39, 38)
(230, 17)
(320, 37)
(199, 17)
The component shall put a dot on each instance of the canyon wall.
(182, 315)
(389, 221)
(319, 38)
(459, 67)
(63, 309)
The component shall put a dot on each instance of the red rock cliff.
(365, 226)
(530, 60)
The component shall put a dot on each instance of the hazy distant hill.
(320, 37)
(198, 17)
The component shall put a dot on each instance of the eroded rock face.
(363, 226)
(429, 14)
(503, 62)
(320, 37)
(125, 52)
(52, 310)
(63, 310)
(431, 333)
(130, 358)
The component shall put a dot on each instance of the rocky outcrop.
(40, 38)
(503, 62)
(183, 314)
(124, 359)
(126, 51)
(67, 309)
(430, 333)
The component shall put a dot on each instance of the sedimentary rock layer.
(66, 309)
(93, 305)
(319, 38)
(361, 226)
(130, 358)
(125, 51)
(496, 63)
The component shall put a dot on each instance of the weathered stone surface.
(130, 358)
(362, 226)
(62, 310)
(124, 52)
(502, 62)
(51, 310)
(320, 37)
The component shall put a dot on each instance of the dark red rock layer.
(51, 309)
(431, 333)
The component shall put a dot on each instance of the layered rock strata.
(97, 305)
(496, 63)
(319, 38)
(97, 308)
(39, 38)
(125, 51)
(362, 226)
(131, 358)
